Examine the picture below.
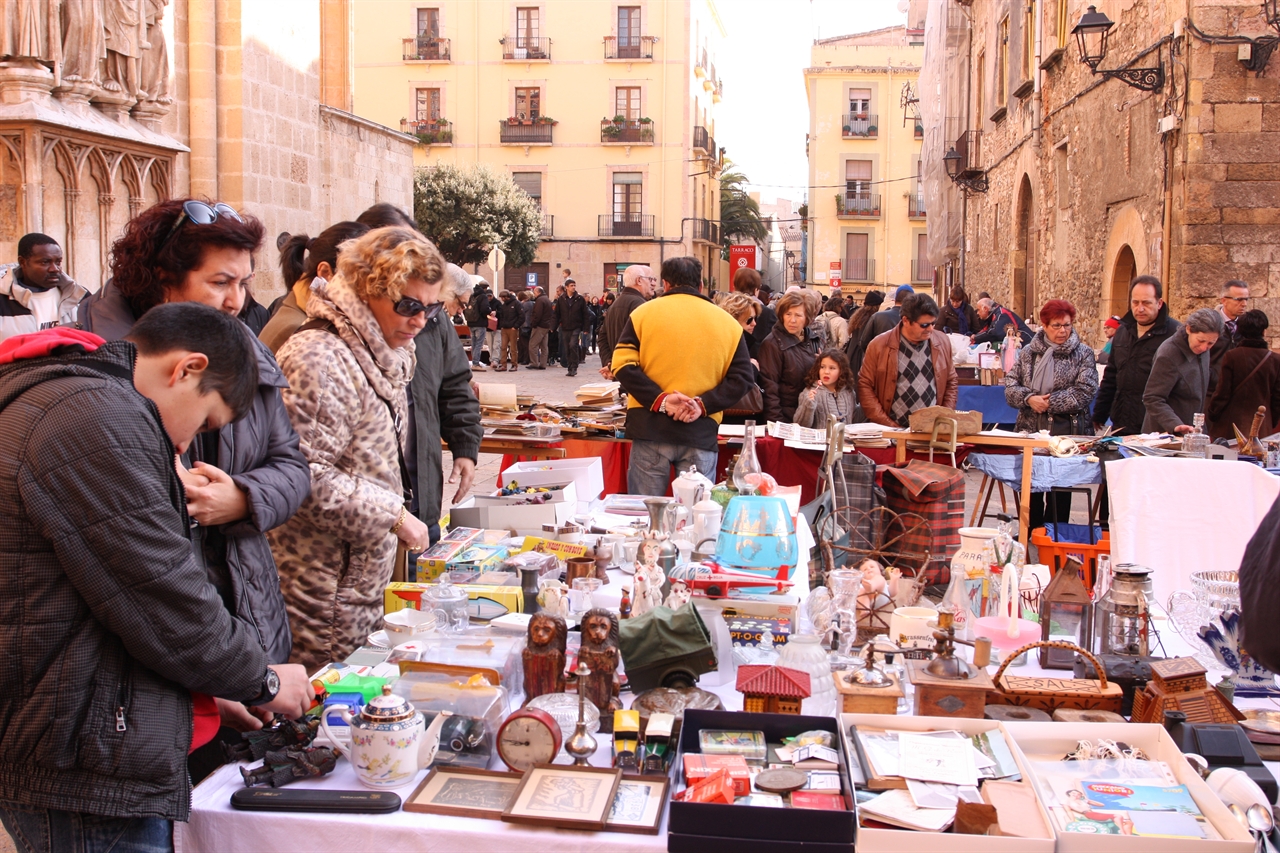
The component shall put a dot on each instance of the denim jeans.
(650, 470)
(477, 342)
(52, 831)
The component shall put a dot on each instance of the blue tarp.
(1046, 471)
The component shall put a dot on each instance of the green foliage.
(739, 212)
(466, 212)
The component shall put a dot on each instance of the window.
(528, 30)
(1002, 64)
(1029, 41)
(1063, 190)
(629, 29)
(1063, 29)
(626, 197)
(427, 104)
(429, 23)
(924, 269)
(753, 705)
(531, 183)
(856, 257)
(979, 95)
(859, 101)
(528, 103)
(857, 177)
(627, 102)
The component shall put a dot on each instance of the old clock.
(528, 737)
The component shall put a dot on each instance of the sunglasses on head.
(407, 306)
(200, 213)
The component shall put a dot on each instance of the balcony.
(858, 269)
(718, 95)
(858, 206)
(429, 132)
(921, 270)
(426, 49)
(524, 49)
(915, 206)
(526, 131)
(706, 231)
(626, 225)
(969, 147)
(627, 131)
(705, 141)
(548, 226)
(860, 126)
(633, 48)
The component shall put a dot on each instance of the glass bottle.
(746, 474)
(1195, 442)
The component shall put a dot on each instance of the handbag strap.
(1053, 644)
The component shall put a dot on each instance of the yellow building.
(601, 111)
(867, 214)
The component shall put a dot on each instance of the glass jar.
(1195, 442)
(804, 652)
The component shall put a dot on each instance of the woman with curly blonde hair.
(348, 368)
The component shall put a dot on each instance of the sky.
(764, 116)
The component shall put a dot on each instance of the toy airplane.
(714, 582)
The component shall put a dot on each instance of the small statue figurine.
(649, 577)
(283, 733)
(680, 595)
(554, 598)
(282, 766)
(766, 641)
(599, 652)
(544, 656)
(873, 584)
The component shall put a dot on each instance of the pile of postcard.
(741, 768)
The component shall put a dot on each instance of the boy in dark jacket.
(103, 607)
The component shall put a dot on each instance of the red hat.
(1112, 322)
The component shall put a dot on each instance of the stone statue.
(280, 767)
(155, 59)
(125, 36)
(544, 656)
(83, 42)
(30, 30)
(600, 653)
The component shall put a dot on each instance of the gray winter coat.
(1177, 386)
(444, 406)
(1075, 384)
(260, 452)
(814, 413)
(106, 620)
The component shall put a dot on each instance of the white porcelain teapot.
(687, 486)
(390, 741)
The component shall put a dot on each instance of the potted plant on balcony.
(613, 131)
(871, 130)
(619, 120)
(645, 120)
(546, 120)
(513, 120)
(839, 205)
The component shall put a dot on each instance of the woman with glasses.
(348, 368)
(786, 356)
(746, 310)
(1052, 385)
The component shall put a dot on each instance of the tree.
(739, 212)
(467, 212)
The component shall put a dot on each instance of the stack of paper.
(598, 393)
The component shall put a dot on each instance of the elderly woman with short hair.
(1180, 373)
(785, 357)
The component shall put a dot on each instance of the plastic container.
(478, 708)
(1054, 554)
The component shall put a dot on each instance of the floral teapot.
(390, 741)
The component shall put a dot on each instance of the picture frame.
(638, 804)
(565, 796)
(464, 792)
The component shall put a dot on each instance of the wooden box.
(1050, 694)
(857, 699)
(948, 697)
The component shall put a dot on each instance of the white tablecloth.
(1183, 515)
(216, 827)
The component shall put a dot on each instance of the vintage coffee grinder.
(947, 686)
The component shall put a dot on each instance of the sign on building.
(743, 257)
(833, 275)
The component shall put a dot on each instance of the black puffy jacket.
(784, 362)
(107, 622)
(1128, 368)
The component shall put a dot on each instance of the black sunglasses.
(201, 214)
(928, 325)
(407, 306)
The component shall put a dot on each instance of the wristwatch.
(270, 687)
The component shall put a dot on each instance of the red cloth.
(206, 720)
(39, 344)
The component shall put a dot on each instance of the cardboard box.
(587, 472)
(434, 561)
(561, 490)
(874, 840)
(399, 596)
(481, 511)
(562, 550)
(475, 559)
(746, 829)
(698, 766)
(1050, 741)
(759, 606)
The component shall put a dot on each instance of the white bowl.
(405, 625)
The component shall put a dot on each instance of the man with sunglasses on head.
(908, 367)
(638, 283)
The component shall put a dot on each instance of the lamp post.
(1091, 40)
(974, 181)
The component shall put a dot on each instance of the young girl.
(829, 391)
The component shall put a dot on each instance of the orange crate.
(1054, 554)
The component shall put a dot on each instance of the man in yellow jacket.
(682, 361)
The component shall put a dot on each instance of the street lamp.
(962, 177)
(1091, 40)
(1271, 10)
(952, 161)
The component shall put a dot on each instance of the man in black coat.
(104, 611)
(638, 283)
(882, 322)
(541, 320)
(1141, 332)
(1233, 302)
(571, 319)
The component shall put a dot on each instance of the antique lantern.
(1124, 613)
(952, 161)
(1066, 613)
(1271, 10)
(1091, 37)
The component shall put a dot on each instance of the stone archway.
(1126, 255)
(1123, 272)
(1023, 266)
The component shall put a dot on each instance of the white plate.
(379, 639)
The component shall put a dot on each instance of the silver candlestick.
(581, 744)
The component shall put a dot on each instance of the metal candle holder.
(581, 745)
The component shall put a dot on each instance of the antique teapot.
(390, 741)
(688, 486)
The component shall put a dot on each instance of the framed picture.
(564, 796)
(637, 806)
(464, 792)
(988, 360)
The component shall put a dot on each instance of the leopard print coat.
(336, 554)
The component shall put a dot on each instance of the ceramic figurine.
(544, 656)
(282, 766)
(679, 596)
(554, 598)
(599, 652)
(649, 576)
(1222, 636)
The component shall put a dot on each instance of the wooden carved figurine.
(600, 653)
(544, 656)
